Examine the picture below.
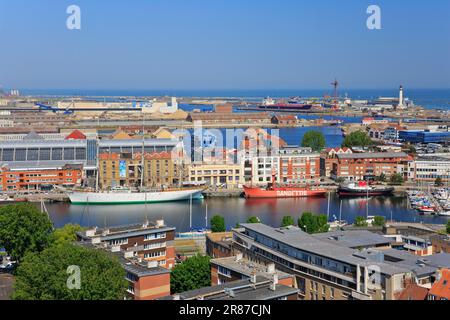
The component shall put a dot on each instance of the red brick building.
(361, 166)
(284, 119)
(218, 244)
(36, 179)
(329, 158)
(145, 251)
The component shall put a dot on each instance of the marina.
(235, 210)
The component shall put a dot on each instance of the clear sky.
(224, 44)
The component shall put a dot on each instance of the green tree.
(438, 182)
(218, 224)
(357, 139)
(66, 234)
(287, 221)
(253, 220)
(23, 228)
(194, 273)
(360, 221)
(44, 275)
(396, 179)
(382, 177)
(311, 223)
(314, 140)
(379, 221)
(448, 227)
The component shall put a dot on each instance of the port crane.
(335, 85)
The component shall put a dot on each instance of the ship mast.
(143, 150)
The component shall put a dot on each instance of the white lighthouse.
(400, 99)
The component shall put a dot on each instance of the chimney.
(160, 223)
(253, 277)
(271, 268)
(273, 284)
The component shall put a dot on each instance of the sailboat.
(338, 223)
(195, 233)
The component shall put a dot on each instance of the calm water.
(270, 211)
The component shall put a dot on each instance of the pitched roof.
(121, 135)
(33, 136)
(76, 135)
(441, 288)
(413, 292)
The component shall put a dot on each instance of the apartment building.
(361, 166)
(427, 169)
(337, 266)
(218, 244)
(146, 251)
(226, 175)
(125, 169)
(285, 168)
(34, 179)
(229, 269)
(329, 158)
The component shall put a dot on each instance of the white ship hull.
(128, 197)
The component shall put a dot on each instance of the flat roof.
(354, 238)
(238, 290)
(246, 267)
(125, 231)
(296, 238)
(370, 155)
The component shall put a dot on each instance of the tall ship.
(363, 189)
(140, 195)
(125, 196)
(293, 104)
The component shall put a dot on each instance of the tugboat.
(362, 189)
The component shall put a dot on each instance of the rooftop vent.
(271, 268)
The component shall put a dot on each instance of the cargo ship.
(134, 197)
(282, 192)
(362, 189)
(293, 104)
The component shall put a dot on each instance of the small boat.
(362, 189)
(426, 209)
(444, 213)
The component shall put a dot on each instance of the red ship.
(282, 192)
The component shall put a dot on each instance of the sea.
(428, 98)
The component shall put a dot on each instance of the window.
(153, 236)
(155, 254)
(117, 242)
(224, 271)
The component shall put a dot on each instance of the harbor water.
(236, 210)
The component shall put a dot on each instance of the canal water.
(234, 210)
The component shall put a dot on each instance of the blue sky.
(224, 44)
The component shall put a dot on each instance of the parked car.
(7, 268)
